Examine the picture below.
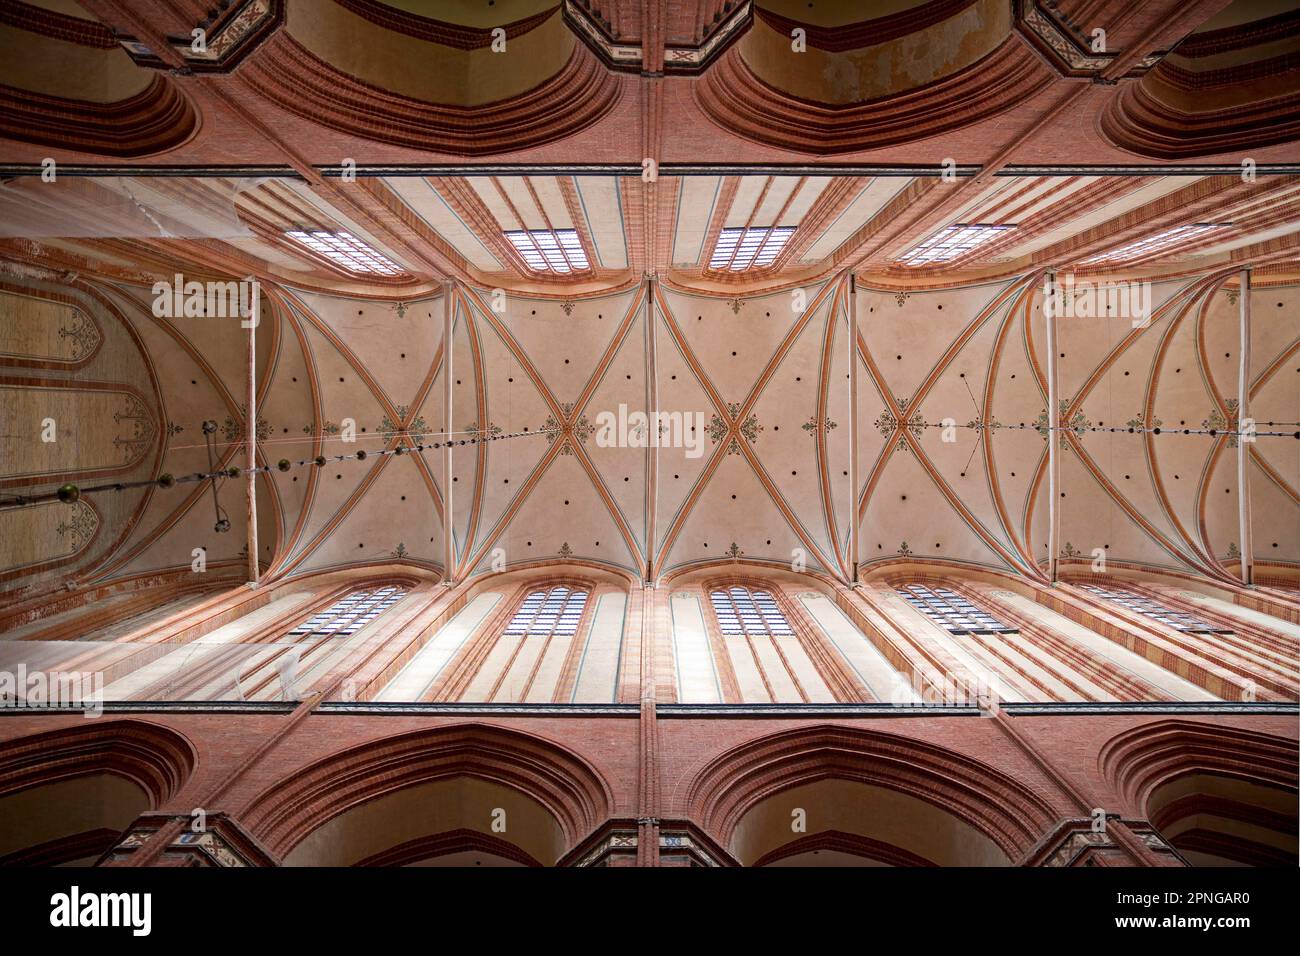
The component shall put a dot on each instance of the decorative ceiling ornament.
(978, 424)
(567, 429)
(81, 333)
(904, 550)
(813, 425)
(1077, 423)
(597, 33)
(219, 43)
(734, 552)
(729, 431)
(141, 426)
(233, 430)
(412, 433)
(913, 424)
(79, 527)
(1219, 423)
(1065, 47)
(1138, 422)
(565, 550)
(473, 430)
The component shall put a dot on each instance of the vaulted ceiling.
(456, 226)
(856, 160)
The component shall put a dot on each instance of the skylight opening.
(346, 250)
(550, 250)
(748, 611)
(951, 242)
(554, 611)
(348, 615)
(1150, 244)
(952, 612)
(1178, 620)
(739, 249)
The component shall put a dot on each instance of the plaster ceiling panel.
(513, 405)
(546, 189)
(544, 524)
(218, 343)
(908, 339)
(1088, 523)
(679, 469)
(748, 192)
(621, 467)
(1275, 518)
(188, 398)
(486, 187)
(1275, 331)
(1275, 379)
(871, 443)
(563, 347)
(339, 481)
(785, 450)
(174, 532)
(1219, 332)
(521, 200)
(860, 211)
(289, 409)
(809, 193)
(1088, 340)
(908, 509)
(696, 198)
(599, 198)
(752, 521)
(1016, 456)
(394, 518)
(422, 197)
(1121, 458)
(734, 346)
(838, 445)
(1222, 530)
(780, 191)
(395, 351)
(468, 409)
(959, 464)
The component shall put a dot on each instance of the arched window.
(350, 613)
(1178, 620)
(952, 612)
(551, 612)
(741, 610)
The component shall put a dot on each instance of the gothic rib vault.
(488, 241)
